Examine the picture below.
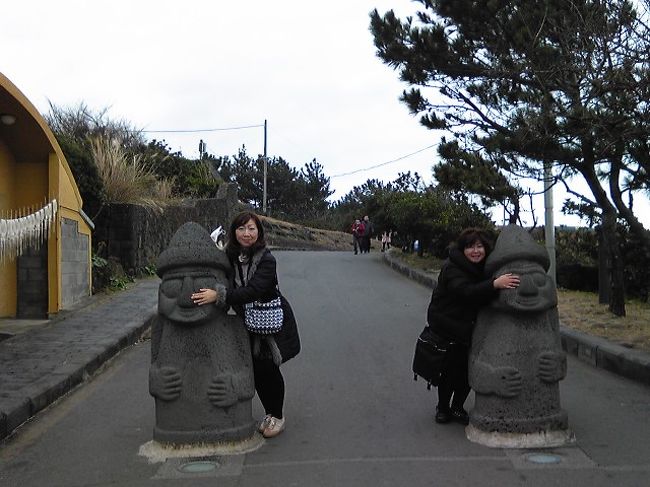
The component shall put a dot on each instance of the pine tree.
(520, 84)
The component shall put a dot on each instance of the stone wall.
(32, 283)
(135, 235)
(75, 277)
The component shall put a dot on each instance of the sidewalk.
(598, 352)
(45, 360)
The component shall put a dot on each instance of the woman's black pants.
(454, 382)
(269, 385)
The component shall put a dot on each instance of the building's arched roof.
(29, 139)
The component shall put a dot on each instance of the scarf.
(245, 271)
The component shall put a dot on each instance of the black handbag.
(429, 358)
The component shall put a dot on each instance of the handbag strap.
(240, 270)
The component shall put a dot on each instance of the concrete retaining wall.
(31, 301)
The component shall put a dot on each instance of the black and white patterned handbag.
(264, 318)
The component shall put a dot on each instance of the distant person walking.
(385, 241)
(368, 230)
(358, 229)
(462, 289)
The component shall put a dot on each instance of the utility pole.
(549, 225)
(265, 171)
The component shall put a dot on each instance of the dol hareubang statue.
(201, 371)
(516, 359)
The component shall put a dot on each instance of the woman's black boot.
(443, 415)
(459, 415)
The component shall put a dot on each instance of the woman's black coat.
(462, 289)
(262, 286)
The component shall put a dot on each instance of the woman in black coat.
(256, 279)
(462, 289)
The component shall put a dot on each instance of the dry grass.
(426, 263)
(127, 179)
(287, 235)
(581, 311)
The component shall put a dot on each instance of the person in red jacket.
(358, 230)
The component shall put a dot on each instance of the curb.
(424, 278)
(601, 353)
(595, 351)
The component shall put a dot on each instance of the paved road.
(354, 415)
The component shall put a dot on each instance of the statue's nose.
(527, 286)
(184, 299)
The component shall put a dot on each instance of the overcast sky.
(308, 68)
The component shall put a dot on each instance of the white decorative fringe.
(21, 231)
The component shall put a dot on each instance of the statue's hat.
(515, 243)
(192, 246)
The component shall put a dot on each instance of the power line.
(356, 171)
(199, 130)
(383, 163)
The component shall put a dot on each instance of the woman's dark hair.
(471, 235)
(233, 248)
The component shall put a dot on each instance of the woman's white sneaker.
(274, 428)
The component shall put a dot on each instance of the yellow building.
(35, 180)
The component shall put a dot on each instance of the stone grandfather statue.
(201, 370)
(516, 360)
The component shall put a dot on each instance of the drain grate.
(204, 467)
(568, 457)
(543, 458)
(198, 467)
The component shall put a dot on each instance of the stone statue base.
(207, 436)
(542, 439)
(156, 452)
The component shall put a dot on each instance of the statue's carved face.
(536, 291)
(177, 286)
